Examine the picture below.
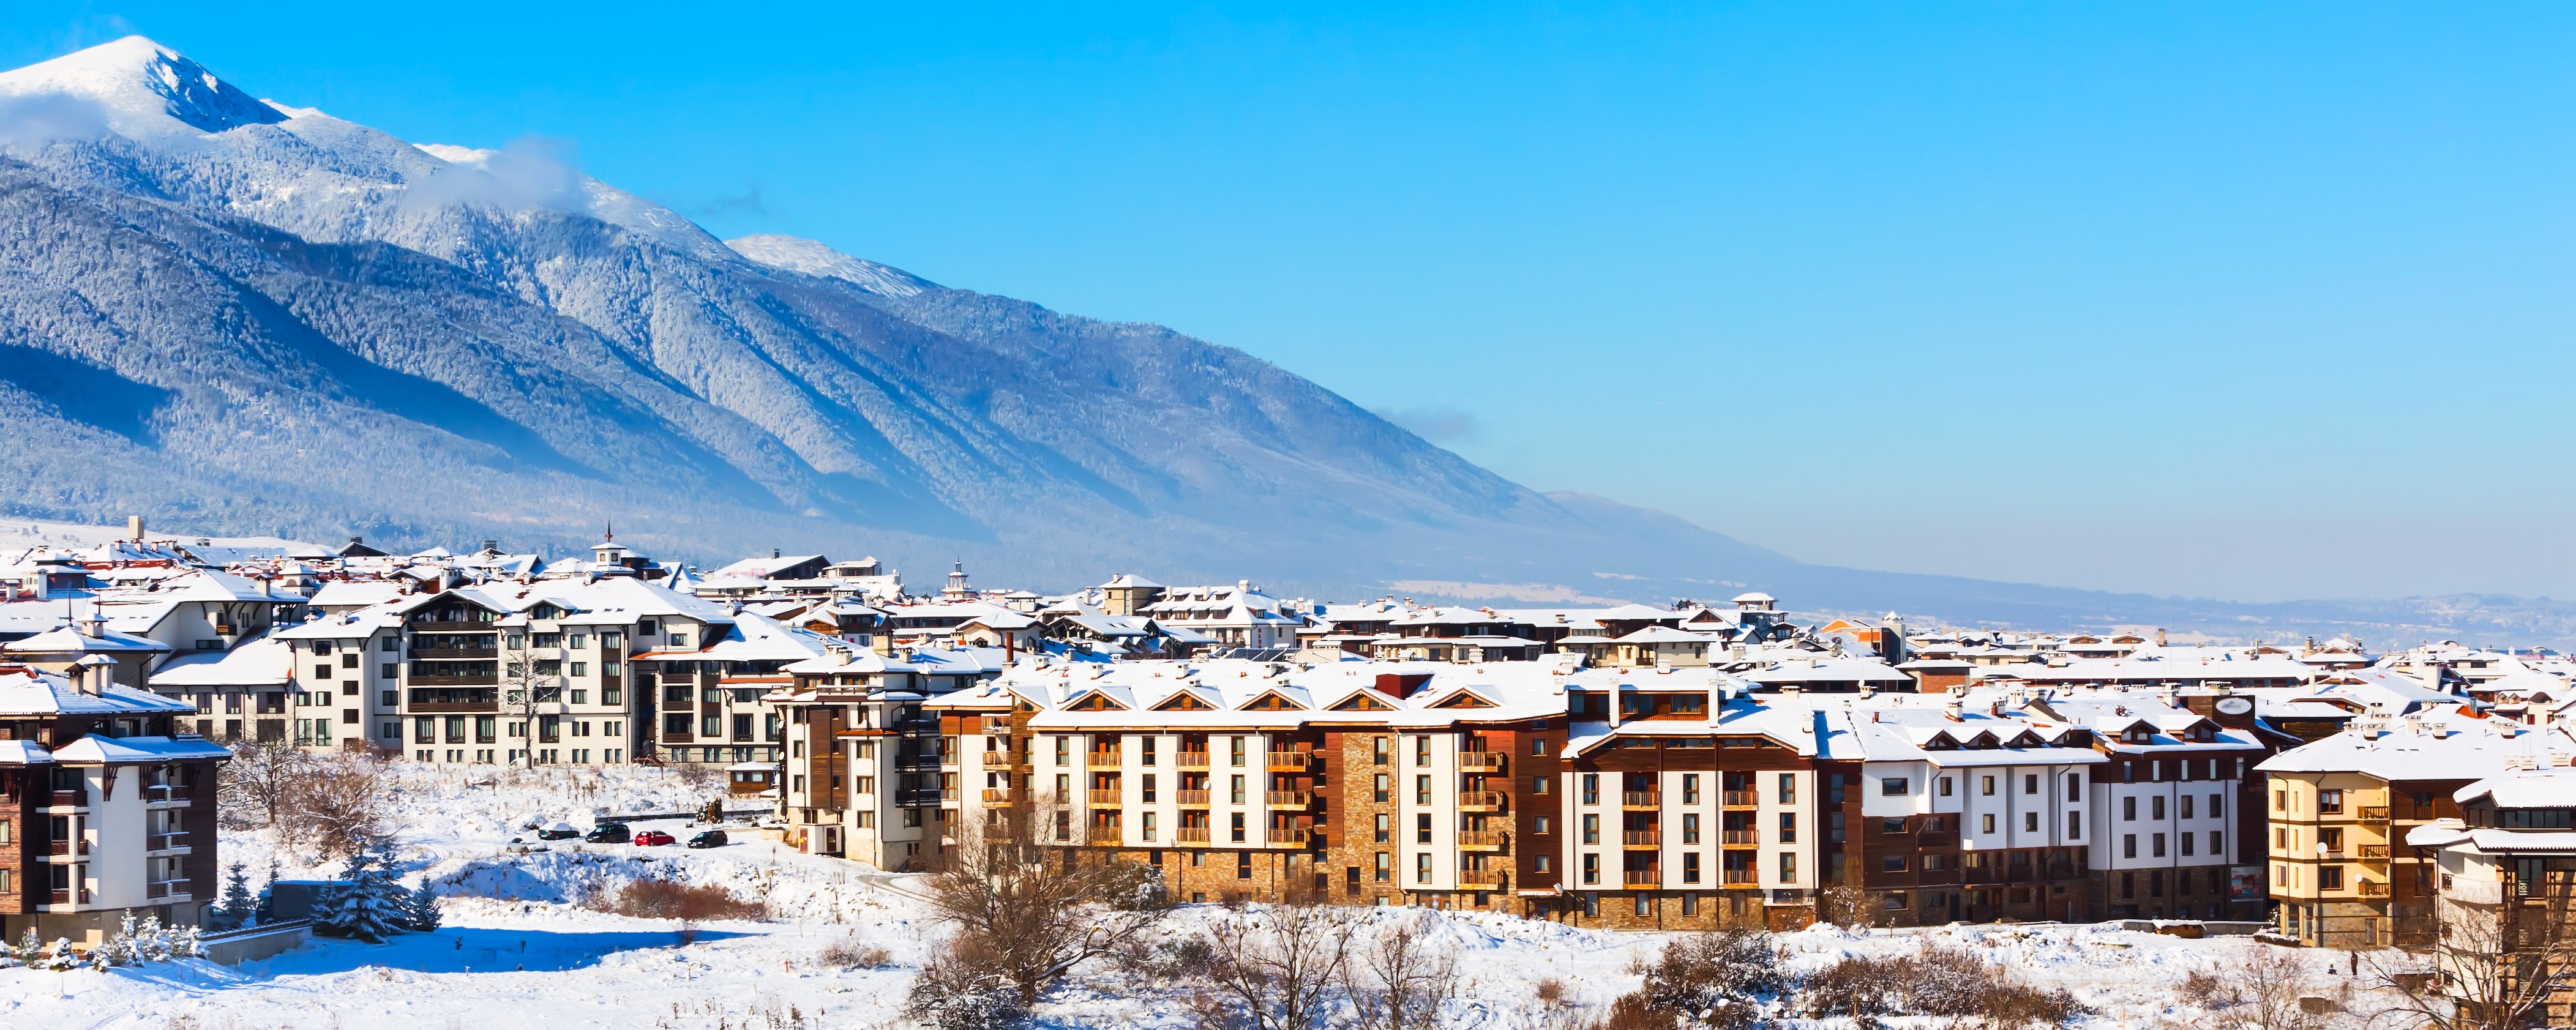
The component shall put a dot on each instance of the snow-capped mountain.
(243, 316)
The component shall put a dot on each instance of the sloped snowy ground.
(519, 948)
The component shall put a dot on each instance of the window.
(1986, 823)
(1788, 827)
(1538, 747)
(2129, 810)
(1540, 784)
(1891, 827)
(2329, 802)
(1237, 792)
(2128, 845)
(1540, 824)
(2217, 805)
(1690, 788)
(1690, 827)
(1422, 868)
(2156, 807)
(2186, 844)
(2329, 878)
(2030, 822)
(1237, 828)
(2074, 786)
(1422, 828)
(1592, 829)
(1591, 868)
(1986, 786)
(1690, 867)
(2217, 844)
(2074, 825)
(1064, 751)
(1382, 829)
(1378, 747)
(682, 640)
(1421, 750)
(1892, 863)
(1234, 750)
(1591, 788)
(1381, 788)
(1892, 786)
(1788, 867)
(2280, 801)
(1243, 865)
(1385, 867)
(1788, 789)
(1422, 790)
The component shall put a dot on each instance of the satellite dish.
(2235, 705)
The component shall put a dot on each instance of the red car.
(649, 838)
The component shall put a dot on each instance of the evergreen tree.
(237, 908)
(421, 908)
(366, 903)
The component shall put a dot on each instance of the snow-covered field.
(520, 949)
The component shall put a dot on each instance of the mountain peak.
(140, 79)
(797, 254)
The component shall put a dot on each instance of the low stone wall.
(234, 947)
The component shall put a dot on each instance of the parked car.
(558, 831)
(653, 838)
(608, 833)
(709, 839)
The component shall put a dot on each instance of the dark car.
(558, 831)
(709, 839)
(652, 838)
(608, 833)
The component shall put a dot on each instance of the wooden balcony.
(1105, 757)
(1483, 879)
(1107, 799)
(1483, 840)
(1190, 760)
(165, 841)
(1290, 799)
(1190, 798)
(1480, 761)
(997, 725)
(2374, 813)
(2376, 854)
(166, 890)
(1642, 800)
(437, 626)
(1937, 839)
(1480, 801)
(1739, 838)
(453, 708)
(456, 652)
(1290, 761)
(994, 798)
(2372, 888)
(1737, 799)
(1641, 878)
(486, 679)
(1190, 835)
(1643, 839)
(67, 799)
(1739, 878)
(1290, 838)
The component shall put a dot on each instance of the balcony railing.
(1480, 801)
(1642, 839)
(68, 799)
(166, 889)
(916, 799)
(1937, 839)
(997, 724)
(1296, 837)
(1190, 835)
(1736, 799)
(1641, 878)
(485, 679)
(1290, 761)
(2374, 813)
(165, 841)
(1190, 798)
(1739, 878)
(1483, 840)
(1106, 799)
(1647, 799)
(1105, 756)
(455, 652)
(2373, 888)
(1190, 760)
(452, 707)
(994, 798)
(2374, 852)
(1290, 799)
(1739, 838)
(1480, 761)
(1483, 879)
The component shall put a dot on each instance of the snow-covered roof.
(98, 750)
(2432, 747)
(67, 640)
(262, 661)
(30, 692)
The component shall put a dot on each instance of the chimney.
(134, 528)
(491, 547)
(773, 552)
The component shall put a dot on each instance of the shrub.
(958, 990)
(852, 953)
(1938, 980)
(664, 899)
(2208, 990)
(1717, 979)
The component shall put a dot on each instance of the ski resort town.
(1686, 766)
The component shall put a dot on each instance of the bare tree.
(523, 689)
(337, 807)
(256, 786)
(2271, 980)
(1397, 981)
(2493, 966)
(1275, 966)
(1030, 911)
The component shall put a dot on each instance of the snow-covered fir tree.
(237, 907)
(421, 908)
(265, 911)
(366, 904)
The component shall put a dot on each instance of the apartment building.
(866, 767)
(2506, 873)
(2341, 809)
(107, 805)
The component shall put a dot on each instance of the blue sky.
(2248, 301)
